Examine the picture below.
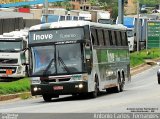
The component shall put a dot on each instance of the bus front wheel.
(47, 98)
(94, 94)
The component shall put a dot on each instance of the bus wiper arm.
(64, 65)
(49, 65)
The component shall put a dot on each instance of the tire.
(94, 94)
(117, 88)
(122, 83)
(47, 98)
(158, 80)
(120, 86)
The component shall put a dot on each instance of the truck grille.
(8, 61)
(3, 69)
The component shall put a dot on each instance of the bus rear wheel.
(120, 86)
(47, 98)
(158, 80)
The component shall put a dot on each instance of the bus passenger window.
(124, 39)
(94, 37)
(106, 37)
(113, 37)
(110, 38)
(100, 37)
(119, 39)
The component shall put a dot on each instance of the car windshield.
(10, 46)
(68, 59)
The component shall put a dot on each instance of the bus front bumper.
(59, 88)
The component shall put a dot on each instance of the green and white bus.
(77, 57)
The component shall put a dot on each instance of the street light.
(46, 10)
(120, 11)
(137, 29)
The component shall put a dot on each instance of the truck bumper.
(59, 88)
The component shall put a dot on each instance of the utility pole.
(137, 29)
(120, 11)
(46, 10)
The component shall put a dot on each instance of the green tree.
(149, 2)
(111, 5)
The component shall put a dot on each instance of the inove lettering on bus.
(42, 36)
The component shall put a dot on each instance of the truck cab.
(13, 54)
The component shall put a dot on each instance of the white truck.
(131, 39)
(14, 54)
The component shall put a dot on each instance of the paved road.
(142, 94)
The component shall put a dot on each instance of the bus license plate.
(8, 71)
(58, 87)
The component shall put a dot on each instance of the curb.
(23, 95)
(134, 71)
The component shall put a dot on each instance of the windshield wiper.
(64, 65)
(48, 67)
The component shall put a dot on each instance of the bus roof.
(64, 24)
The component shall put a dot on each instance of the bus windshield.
(9, 46)
(57, 59)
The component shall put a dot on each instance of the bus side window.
(94, 36)
(113, 37)
(107, 38)
(119, 39)
(110, 38)
(124, 39)
(100, 37)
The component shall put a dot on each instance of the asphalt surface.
(141, 95)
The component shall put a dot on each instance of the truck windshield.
(9, 46)
(57, 59)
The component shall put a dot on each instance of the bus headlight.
(80, 85)
(35, 89)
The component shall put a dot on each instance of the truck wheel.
(47, 98)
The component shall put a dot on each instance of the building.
(10, 1)
(81, 5)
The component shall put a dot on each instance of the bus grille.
(55, 80)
